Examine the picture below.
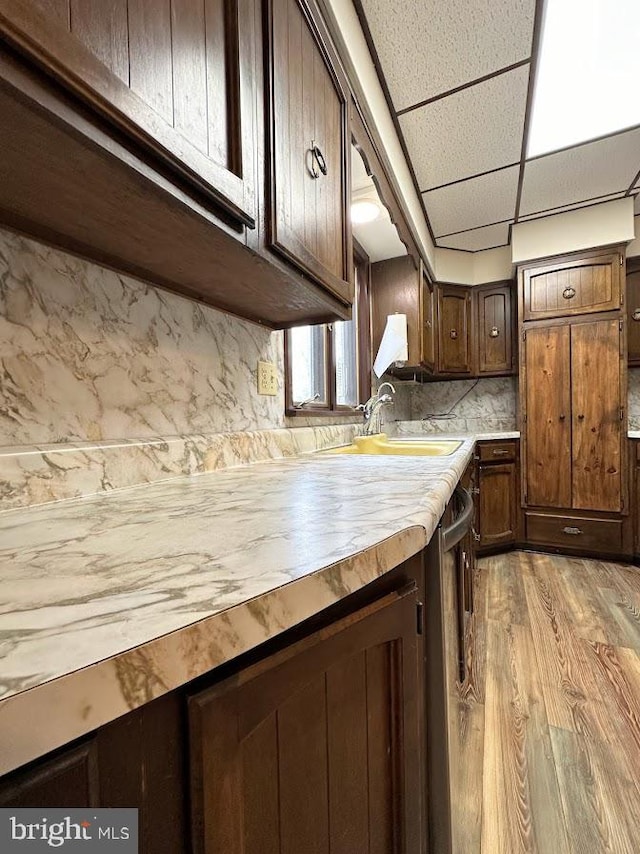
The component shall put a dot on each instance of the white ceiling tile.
(429, 47)
(472, 131)
(473, 203)
(572, 207)
(582, 172)
(478, 239)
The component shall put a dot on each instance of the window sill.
(309, 412)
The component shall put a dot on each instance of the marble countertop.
(111, 601)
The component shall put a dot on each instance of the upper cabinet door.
(454, 330)
(308, 144)
(176, 76)
(428, 324)
(495, 330)
(633, 310)
(558, 289)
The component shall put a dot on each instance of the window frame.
(362, 307)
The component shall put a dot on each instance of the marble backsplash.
(107, 382)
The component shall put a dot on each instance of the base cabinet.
(316, 749)
(317, 746)
(497, 505)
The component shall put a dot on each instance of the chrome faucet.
(371, 409)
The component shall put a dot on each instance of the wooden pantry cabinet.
(573, 385)
(454, 331)
(179, 141)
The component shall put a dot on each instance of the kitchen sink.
(381, 444)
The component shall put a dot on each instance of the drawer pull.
(500, 452)
(494, 332)
(636, 314)
(568, 293)
(573, 531)
(453, 334)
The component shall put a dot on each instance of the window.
(329, 365)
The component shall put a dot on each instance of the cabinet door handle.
(311, 163)
(494, 332)
(568, 293)
(570, 530)
(319, 156)
(562, 417)
(580, 417)
(453, 334)
(636, 314)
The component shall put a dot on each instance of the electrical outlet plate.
(267, 378)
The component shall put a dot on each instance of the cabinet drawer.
(497, 451)
(575, 532)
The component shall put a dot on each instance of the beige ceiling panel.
(473, 203)
(478, 239)
(636, 204)
(472, 131)
(583, 172)
(573, 207)
(429, 47)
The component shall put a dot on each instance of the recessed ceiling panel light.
(588, 73)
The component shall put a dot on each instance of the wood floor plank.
(550, 760)
(571, 695)
(506, 600)
(624, 609)
(590, 615)
(585, 796)
(506, 824)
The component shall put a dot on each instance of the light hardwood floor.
(549, 713)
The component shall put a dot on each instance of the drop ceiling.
(458, 78)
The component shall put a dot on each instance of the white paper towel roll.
(394, 346)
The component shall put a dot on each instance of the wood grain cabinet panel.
(633, 311)
(316, 749)
(497, 505)
(176, 76)
(454, 330)
(547, 407)
(396, 287)
(572, 286)
(494, 330)
(429, 332)
(596, 416)
(309, 175)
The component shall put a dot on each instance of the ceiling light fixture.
(364, 210)
(587, 73)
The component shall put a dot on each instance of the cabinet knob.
(453, 334)
(568, 293)
(636, 314)
(580, 417)
(562, 417)
(494, 332)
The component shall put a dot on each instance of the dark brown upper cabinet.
(308, 148)
(396, 288)
(633, 310)
(175, 76)
(455, 323)
(495, 329)
(568, 286)
(453, 330)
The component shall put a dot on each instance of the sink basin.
(381, 444)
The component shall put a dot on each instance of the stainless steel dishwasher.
(444, 658)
